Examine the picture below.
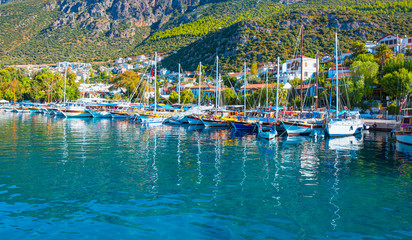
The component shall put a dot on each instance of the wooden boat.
(267, 133)
(404, 133)
(75, 110)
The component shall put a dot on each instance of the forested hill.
(46, 31)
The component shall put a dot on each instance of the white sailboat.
(302, 125)
(195, 119)
(345, 124)
(153, 118)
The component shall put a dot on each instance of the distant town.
(289, 70)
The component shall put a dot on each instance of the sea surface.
(111, 179)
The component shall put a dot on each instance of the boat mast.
(217, 81)
(65, 76)
(179, 86)
(267, 86)
(301, 71)
(155, 80)
(337, 77)
(317, 82)
(277, 93)
(244, 91)
(200, 81)
(220, 90)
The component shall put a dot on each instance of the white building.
(119, 60)
(74, 66)
(370, 45)
(141, 58)
(397, 43)
(292, 69)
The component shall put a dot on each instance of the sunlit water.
(108, 179)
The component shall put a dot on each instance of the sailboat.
(214, 119)
(345, 123)
(305, 123)
(195, 119)
(72, 109)
(153, 118)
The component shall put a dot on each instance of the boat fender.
(374, 125)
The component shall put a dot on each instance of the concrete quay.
(381, 124)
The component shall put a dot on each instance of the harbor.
(95, 177)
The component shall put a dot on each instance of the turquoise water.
(107, 179)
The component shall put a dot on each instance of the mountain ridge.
(46, 31)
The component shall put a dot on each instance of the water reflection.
(206, 183)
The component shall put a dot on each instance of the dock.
(381, 124)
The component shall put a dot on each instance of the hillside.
(46, 31)
(264, 39)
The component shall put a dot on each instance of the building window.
(306, 64)
(306, 74)
(410, 40)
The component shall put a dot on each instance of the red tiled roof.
(386, 36)
(202, 86)
(258, 86)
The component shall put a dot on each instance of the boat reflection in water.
(346, 143)
(120, 177)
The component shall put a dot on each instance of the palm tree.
(383, 52)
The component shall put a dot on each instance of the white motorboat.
(74, 110)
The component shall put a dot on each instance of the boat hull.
(75, 114)
(404, 138)
(215, 123)
(194, 120)
(100, 114)
(344, 128)
(244, 126)
(151, 121)
(119, 115)
(268, 135)
(300, 128)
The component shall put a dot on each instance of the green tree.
(358, 48)
(128, 80)
(364, 77)
(229, 97)
(383, 52)
(368, 57)
(229, 81)
(365, 70)
(173, 97)
(396, 83)
(254, 69)
(187, 97)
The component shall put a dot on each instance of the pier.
(381, 124)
